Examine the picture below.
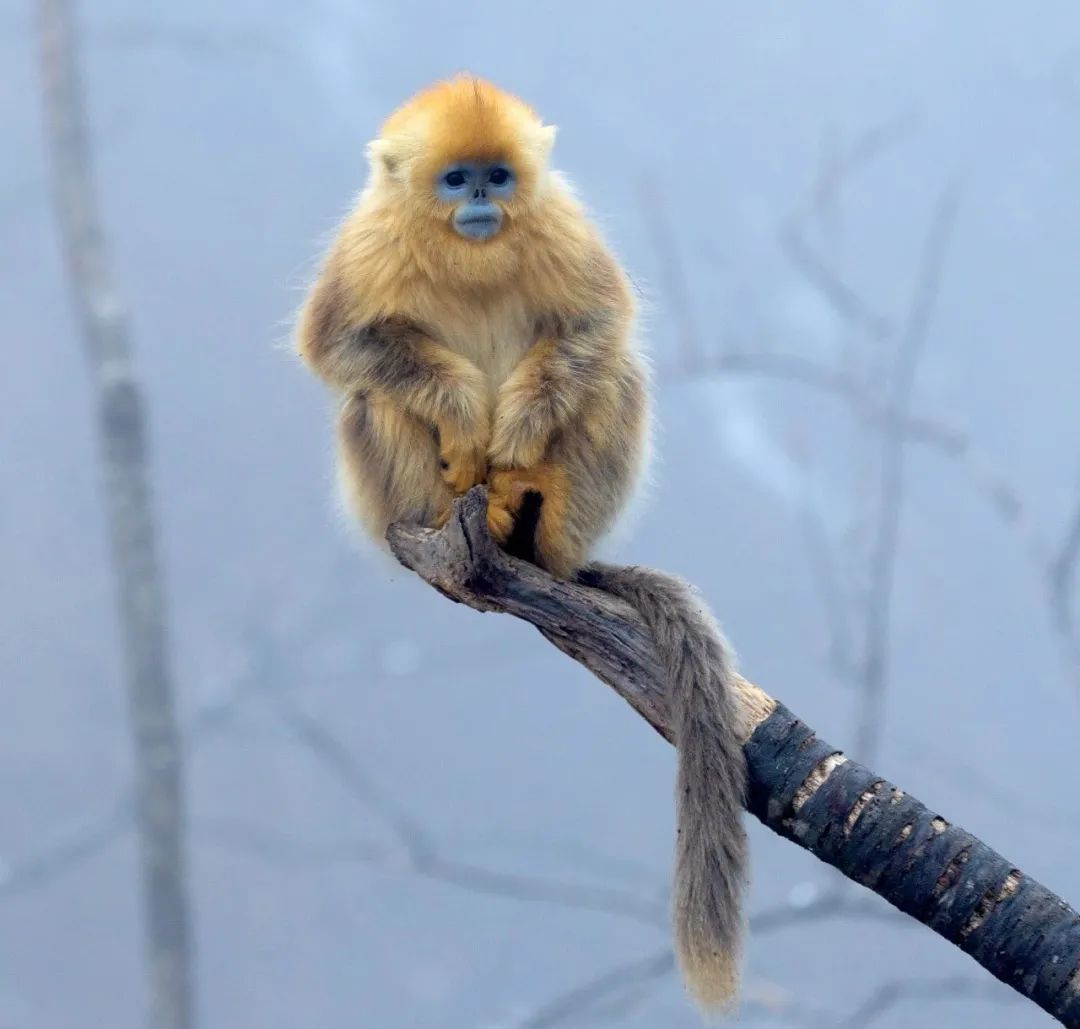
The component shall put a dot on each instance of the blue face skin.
(474, 188)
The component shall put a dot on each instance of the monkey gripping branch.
(798, 785)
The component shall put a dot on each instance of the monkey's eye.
(454, 179)
(499, 176)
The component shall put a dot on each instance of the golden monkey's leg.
(389, 467)
(585, 480)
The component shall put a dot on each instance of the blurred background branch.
(123, 439)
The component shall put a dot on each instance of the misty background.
(402, 813)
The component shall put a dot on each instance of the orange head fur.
(461, 119)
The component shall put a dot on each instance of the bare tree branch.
(70, 845)
(585, 997)
(123, 437)
(1063, 587)
(892, 994)
(869, 145)
(670, 264)
(844, 300)
(799, 786)
(835, 172)
(891, 493)
(272, 844)
(418, 853)
(804, 371)
(64, 849)
(413, 851)
(823, 565)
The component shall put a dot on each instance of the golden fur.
(506, 354)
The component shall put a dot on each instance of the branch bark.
(801, 787)
(123, 437)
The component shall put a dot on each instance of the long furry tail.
(711, 850)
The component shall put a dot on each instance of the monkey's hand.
(523, 425)
(514, 446)
(550, 386)
(506, 492)
(463, 458)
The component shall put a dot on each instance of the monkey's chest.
(494, 339)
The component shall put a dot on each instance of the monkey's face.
(476, 193)
(460, 174)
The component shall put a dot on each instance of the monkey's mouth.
(478, 225)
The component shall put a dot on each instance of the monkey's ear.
(382, 156)
(547, 136)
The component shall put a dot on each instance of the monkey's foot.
(507, 492)
(528, 504)
(514, 499)
(499, 520)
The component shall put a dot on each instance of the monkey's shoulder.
(581, 278)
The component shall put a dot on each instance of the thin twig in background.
(159, 798)
(1063, 574)
(580, 1000)
(853, 387)
(845, 301)
(893, 394)
(882, 1001)
(1001, 496)
(65, 848)
(886, 409)
(835, 612)
(870, 144)
(418, 853)
(673, 275)
(891, 995)
(806, 371)
(414, 850)
(890, 497)
(69, 846)
(584, 997)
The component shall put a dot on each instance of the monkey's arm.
(582, 331)
(574, 359)
(395, 358)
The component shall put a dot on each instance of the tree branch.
(418, 852)
(598, 989)
(799, 786)
(1062, 576)
(122, 431)
(885, 546)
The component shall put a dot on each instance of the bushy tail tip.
(711, 974)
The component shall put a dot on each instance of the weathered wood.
(799, 786)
